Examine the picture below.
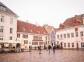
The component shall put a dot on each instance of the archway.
(18, 47)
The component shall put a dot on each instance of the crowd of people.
(49, 48)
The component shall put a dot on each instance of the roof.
(73, 21)
(7, 9)
(30, 28)
(49, 28)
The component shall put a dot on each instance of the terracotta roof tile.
(77, 20)
(30, 28)
(73, 21)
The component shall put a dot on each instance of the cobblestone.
(34, 56)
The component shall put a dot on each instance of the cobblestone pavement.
(34, 56)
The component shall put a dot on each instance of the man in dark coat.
(54, 47)
(49, 47)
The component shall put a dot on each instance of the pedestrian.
(49, 47)
(30, 48)
(54, 47)
(39, 48)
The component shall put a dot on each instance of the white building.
(51, 34)
(31, 35)
(70, 34)
(8, 25)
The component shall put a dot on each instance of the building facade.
(8, 25)
(70, 34)
(31, 35)
(51, 34)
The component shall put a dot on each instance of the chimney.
(27, 21)
(37, 24)
(83, 20)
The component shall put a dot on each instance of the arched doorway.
(18, 47)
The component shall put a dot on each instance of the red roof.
(30, 28)
(73, 21)
(49, 28)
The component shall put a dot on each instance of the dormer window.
(30, 30)
(23, 29)
(2, 8)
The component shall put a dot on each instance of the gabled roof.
(30, 28)
(7, 9)
(49, 28)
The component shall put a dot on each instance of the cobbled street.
(34, 56)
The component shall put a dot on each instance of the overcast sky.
(51, 12)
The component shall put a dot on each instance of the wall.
(70, 40)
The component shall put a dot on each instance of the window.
(81, 33)
(60, 35)
(35, 37)
(2, 19)
(18, 35)
(68, 35)
(1, 38)
(10, 38)
(34, 43)
(11, 20)
(46, 37)
(1, 28)
(68, 44)
(64, 35)
(64, 44)
(72, 44)
(11, 30)
(40, 37)
(76, 34)
(72, 34)
(25, 41)
(82, 44)
(57, 42)
(2, 8)
(25, 36)
(57, 36)
(76, 29)
(40, 43)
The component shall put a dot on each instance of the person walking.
(39, 48)
(49, 47)
(54, 47)
(30, 48)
